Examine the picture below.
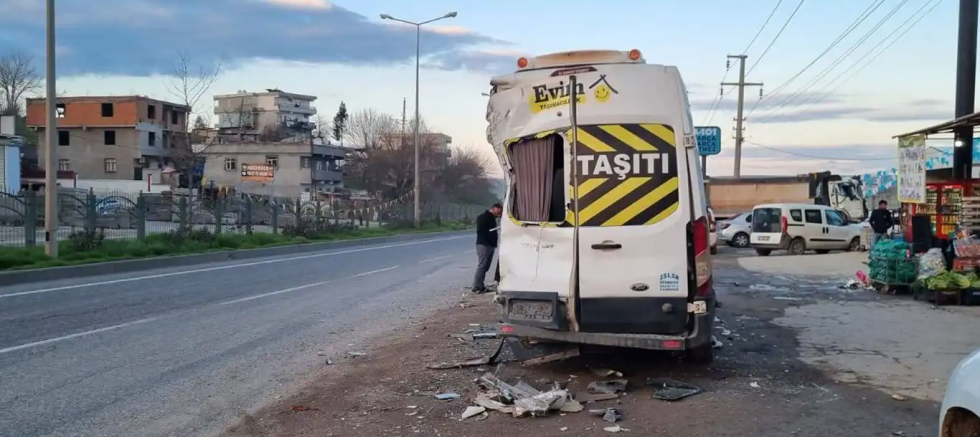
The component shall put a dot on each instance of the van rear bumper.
(782, 244)
(555, 328)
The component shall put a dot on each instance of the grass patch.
(87, 247)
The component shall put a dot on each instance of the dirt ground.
(762, 383)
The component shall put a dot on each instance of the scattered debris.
(616, 428)
(603, 373)
(786, 298)
(716, 344)
(670, 390)
(328, 362)
(321, 353)
(490, 404)
(608, 387)
(754, 385)
(610, 415)
(898, 397)
(558, 356)
(541, 403)
(571, 406)
(354, 354)
(447, 396)
(899, 433)
(563, 429)
(492, 358)
(588, 398)
(298, 408)
(726, 332)
(472, 411)
(485, 335)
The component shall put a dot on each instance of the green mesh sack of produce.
(889, 263)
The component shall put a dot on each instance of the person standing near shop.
(486, 245)
(881, 222)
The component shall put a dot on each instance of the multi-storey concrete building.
(298, 167)
(130, 137)
(272, 112)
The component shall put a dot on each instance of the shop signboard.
(258, 173)
(912, 169)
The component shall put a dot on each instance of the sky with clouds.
(840, 80)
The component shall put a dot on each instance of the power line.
(850, 28)
(789, 99)
(721, 95)
(817, 157)
(905, 27)
(775, 38)
(763, 27)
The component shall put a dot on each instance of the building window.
(304, 162)
(59, 110)
(110, 165)
(272, 160)
(64, 165)
(107, 109)
(173, 117)
(151, 112)
(110, 137)
(231, 164)
(152, 139)
(64, 138)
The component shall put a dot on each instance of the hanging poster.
(912, 169)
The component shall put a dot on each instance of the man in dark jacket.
(881, 222)
(486, 245)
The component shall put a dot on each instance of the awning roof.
(970, 120)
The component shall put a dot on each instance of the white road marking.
(136, 322)
(233, 266)
(8, 350)
(374, 271)
(435, 259)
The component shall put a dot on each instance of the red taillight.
(702, 258)
(700, 235)
(672, 344)
(785, 224)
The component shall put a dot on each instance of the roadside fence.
(123, 215)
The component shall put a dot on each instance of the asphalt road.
(184, 352)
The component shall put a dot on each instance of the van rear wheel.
(797, 247)
(703, 354)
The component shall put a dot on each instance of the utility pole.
(966, 84)
(404, 120)
(50, 136)
(741, 84)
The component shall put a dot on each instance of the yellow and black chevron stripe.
(638, 198)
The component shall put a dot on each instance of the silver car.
(735, 231)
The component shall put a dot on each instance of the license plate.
(763, 238)
(537, 311)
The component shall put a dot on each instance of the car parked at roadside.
(960, 413)
(735, 231)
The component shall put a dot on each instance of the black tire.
(797, 247)
(740, 240)
(763, 252)
(855, 245)
(701, 355)
(714, 250)
(822, 252)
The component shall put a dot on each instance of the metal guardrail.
(135, 215)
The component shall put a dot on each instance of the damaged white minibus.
(606, 243)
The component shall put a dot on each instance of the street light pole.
(50, 136)
(418, 64)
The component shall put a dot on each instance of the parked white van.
(798, 228)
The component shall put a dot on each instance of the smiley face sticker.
(602, 90)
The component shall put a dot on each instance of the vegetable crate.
(890, 268)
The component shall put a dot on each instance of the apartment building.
(298, 167)
(264, 113)
(129, 137)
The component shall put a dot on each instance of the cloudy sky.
(838, 80)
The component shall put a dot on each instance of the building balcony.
(297, 108)
(328, 175)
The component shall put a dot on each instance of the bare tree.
(369, 129)
(323, 127)
(18, 77)
(188, 83)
